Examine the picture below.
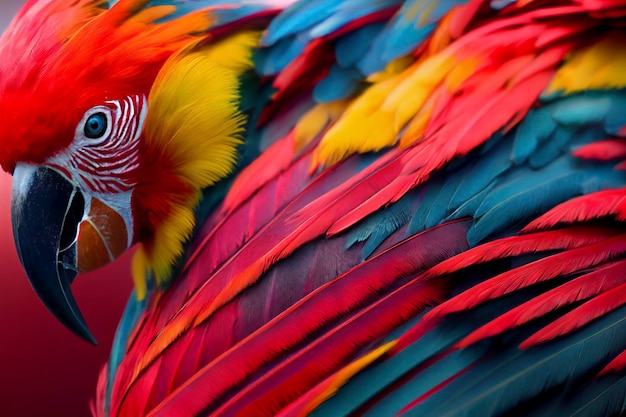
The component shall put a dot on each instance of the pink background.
(44, 369)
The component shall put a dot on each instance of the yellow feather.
(599, 66)
(342, 376)
(194, 119)
(374, 120)
(139, 273)
(418, 125)
(460, 73)
(316, 120)
(394, 67)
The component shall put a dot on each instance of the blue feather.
(352, 46)
(550, 149)
(439, 372)
(133, 311)
(501, 4)
(580, 110)
(616, 117)
(374, 379)
(490, 166)
(298, 18)
(380, 225)
(340, 83)
(532, 193)
(348, 12)
(413, 23)
(536, 126)
(271, 61)
(498, 384)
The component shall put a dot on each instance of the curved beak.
(59, 232)
(45, 209)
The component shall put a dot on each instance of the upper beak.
(46, 210)
(59, 232)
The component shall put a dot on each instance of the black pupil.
(96, 126)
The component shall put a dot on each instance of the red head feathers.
(60, 58)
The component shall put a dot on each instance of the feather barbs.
(446, 88)
(193, 129)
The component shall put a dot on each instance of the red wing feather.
(618, 364)
(585, 208)
(329, 303)
(589, 285)
(546, 268)
(590, 310)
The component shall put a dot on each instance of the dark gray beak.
(46, 210)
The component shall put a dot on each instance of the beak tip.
(64, 307)
(88, 337)
(75, 322)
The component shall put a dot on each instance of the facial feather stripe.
(105, 164)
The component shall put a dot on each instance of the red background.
(44, 369)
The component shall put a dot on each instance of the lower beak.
(60, 232)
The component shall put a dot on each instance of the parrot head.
(113, 121)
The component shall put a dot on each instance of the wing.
(430, 224)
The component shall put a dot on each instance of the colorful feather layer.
(429, 222)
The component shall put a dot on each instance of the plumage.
(380, 207)
(487, 390)
(589, 310)
(584, 287)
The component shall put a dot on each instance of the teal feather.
(500, 383)
(616, 117)
(581, 110)
(601, 396)
(132, 312)
(430, 377)
(550, 149)
(536, 126)
(379, 226)
(299, 18)
(339, 84)
(405, 32)
(348, 12)
(369, 383)
(419, 220)
(273, 60)
(468, 208)
(604, 396)
(533, 194)
(491, 165)
(369, 386)
(351, 47)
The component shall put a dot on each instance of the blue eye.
(96, 126)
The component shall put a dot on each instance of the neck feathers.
(193, 129)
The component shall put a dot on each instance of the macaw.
(372, 207)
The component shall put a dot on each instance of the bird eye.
(96, 126)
